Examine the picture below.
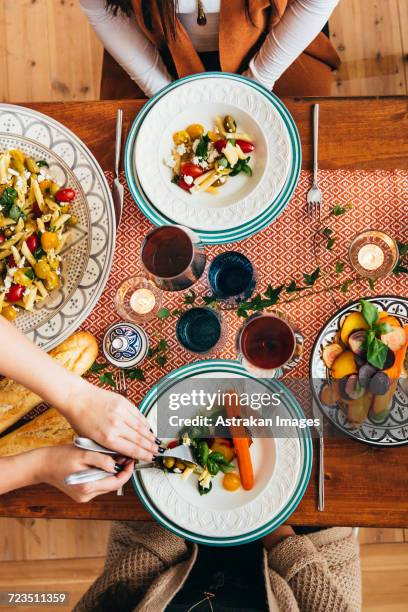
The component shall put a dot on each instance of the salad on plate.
(203, 161)
(35, 217)
(229, 457)
(365, 363)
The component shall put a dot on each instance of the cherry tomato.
(190, 169)
(172, 444)
(11, 262)
(32, 242)
(65, 195)
(2, 238)
(182, 183)
(220, 144)
(37, 210)
(15, 293)
(49, 240)
(245, 146)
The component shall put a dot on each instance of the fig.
(365, 374)
(394, 339)
(352, 388)
(360, 361)
(357, 341)
(389, 360)
(330, 354)
(353, 322)
(379, 383)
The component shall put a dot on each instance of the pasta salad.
(35, 218)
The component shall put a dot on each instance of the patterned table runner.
(282, 252)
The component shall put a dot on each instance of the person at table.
(278, 43)
(106, 417)
(150, 569)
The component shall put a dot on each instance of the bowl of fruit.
(359, 370)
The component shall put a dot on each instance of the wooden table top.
(365, 486)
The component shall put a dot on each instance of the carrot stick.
(241, 443)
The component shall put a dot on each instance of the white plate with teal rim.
(88, 253)
(243, 197)
(281, 468)
(269, 208)
(393, 429)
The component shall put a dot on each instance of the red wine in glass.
(266, 342)
(173, 257)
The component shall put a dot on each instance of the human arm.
(106, 417)
(321, 571)
(52, 464)
(123, 39)
(301, 23)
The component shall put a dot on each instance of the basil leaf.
(212, 466)
(15, 212)
(369, 312)
(202, 453)
(42, 163)
(377, 353)
(383, 328)
(227, 468)
(8, 196)
(202, 147)
(30, 273)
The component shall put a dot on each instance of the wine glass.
(173, 257)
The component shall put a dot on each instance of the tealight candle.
(142, 301)
(138, 299)
(373, 254)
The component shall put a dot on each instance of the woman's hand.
(57, 462)
(111, 420)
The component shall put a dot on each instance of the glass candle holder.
(138, 299)
(373, 254)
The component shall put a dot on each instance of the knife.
(118, 189)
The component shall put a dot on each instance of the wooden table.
(364, 486)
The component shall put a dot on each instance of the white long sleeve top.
(124, 40)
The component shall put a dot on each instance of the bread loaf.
(77, 354)
(48, 429)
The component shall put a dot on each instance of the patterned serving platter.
(393, 431)
(269, 209)
(88, 254)
(221, 518)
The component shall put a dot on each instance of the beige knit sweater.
(146, 563)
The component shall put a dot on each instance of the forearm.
(24, 362)
(21, 470)
(123, 39)
(300, 24)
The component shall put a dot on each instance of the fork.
(314, 195)
(121, 387)
(320, 430)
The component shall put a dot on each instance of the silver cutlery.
(320, 430)
(121, 387)
(118, 190)
(314, 195)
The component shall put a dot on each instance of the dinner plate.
(281, 466)
(393, 431)
(87, 256)
(240, 198)
(269, 210)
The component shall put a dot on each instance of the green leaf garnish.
(163, 313)
(107, 379)
(310, 279)
(97, 367)
(339, 267)
(369, 312)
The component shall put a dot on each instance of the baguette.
(77, 353)
(48, 429)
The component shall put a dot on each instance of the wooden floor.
(48, 52)
(54, 55)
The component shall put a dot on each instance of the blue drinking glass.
(200, 330)
(232, 277)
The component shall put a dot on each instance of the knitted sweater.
(147, 565)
